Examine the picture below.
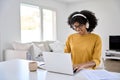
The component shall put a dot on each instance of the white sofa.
(33, 50)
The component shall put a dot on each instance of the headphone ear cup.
(87, 25)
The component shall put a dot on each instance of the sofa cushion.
(41, 45)
(37, 50)
(57, 46)
(21, 46)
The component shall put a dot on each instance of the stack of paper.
(99, 75)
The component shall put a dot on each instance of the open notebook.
(58, 62)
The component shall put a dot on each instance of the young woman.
(84, 46)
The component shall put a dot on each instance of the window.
(48, 24)
(37, 24)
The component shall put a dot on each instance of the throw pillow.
(57, 46)
(21, 46)
(38, 49)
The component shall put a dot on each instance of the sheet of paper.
(99, 75)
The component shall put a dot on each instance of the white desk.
(18, 70)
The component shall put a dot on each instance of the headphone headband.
(87, 24)
(79, 15)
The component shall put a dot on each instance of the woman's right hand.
(78, 67)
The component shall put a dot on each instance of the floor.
(112, 65)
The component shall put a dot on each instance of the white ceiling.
(69, 1)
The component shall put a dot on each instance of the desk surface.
(18, 70)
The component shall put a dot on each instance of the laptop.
(58, 63)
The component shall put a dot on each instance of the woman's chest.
(82, 43)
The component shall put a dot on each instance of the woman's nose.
(78, 28)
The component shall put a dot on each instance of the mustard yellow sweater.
(84, 48)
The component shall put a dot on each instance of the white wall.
(107, 12)
(9, 23)
(10, 20)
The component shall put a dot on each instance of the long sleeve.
(97, 51)
(67, 48)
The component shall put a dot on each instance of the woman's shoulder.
(95, 35)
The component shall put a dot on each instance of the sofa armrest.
(15, 54)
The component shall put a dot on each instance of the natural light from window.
(30, 23)
(37, 24)
(48, 25)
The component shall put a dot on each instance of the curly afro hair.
(88, 17)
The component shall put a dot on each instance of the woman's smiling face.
(80, 28)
